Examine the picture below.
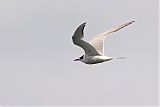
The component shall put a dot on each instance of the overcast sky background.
(37, 53)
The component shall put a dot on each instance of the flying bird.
(94, 49)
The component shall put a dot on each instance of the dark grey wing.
(77, 40)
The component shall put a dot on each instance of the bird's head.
(80, 58)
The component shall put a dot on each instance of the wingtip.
(133, 21)
(84, 23)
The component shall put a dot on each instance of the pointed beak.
(76, 60)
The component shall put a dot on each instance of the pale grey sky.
(36, 53)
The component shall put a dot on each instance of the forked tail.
(120, 57)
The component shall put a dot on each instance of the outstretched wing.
(98, 40)
(77, 40)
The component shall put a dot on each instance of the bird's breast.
(96, 59)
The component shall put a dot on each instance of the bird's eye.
(81, 57)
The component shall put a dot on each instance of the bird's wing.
(77, 40)
(97, 41)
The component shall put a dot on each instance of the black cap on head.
(81, 57)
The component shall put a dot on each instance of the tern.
(94, 49)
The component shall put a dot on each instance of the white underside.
(95, 59)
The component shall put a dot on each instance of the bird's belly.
(97, 59)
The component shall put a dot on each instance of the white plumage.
(94, 49)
